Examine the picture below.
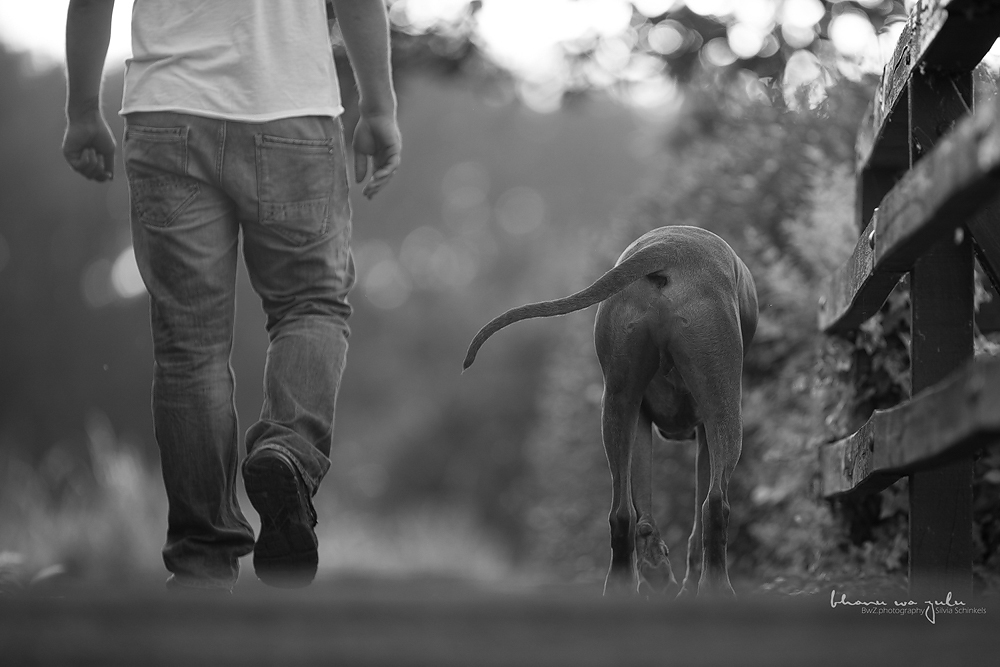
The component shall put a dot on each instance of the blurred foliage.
(100, 518)
(631, 44)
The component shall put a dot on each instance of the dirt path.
(439, 623)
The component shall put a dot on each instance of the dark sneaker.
(286, 553)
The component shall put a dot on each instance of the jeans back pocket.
(296, 183)
(156, 167)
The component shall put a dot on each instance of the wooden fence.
(928, 180)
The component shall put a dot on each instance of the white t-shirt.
(244, 60)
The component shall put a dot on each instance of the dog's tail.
(641, 263)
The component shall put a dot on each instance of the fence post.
(941, 292)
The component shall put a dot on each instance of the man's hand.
(377, 138)
(89, 146)
(365, 28)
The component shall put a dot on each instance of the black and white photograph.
(499, 332)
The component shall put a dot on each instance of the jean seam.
(221, 152)
(139, 185)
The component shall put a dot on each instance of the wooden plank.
(940, 560)
(874, 184)
(944, 423)
(941, 297)
(856, 291)
(942, 311)
(959, 176)
(846, 465)
(940, 35)
(985, 225)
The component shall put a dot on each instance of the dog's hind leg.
(652, 556)
(709, 358)
(628, 360)
(619, 413)
(703, 477)
(716, 389)
(724, 444)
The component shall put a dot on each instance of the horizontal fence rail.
(946, 422)
(960, 176)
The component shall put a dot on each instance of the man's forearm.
(88, 32)
(365, 28)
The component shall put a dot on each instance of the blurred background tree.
(643, 49)
(541, 137)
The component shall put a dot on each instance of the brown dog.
(676, 315)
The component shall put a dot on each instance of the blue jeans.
(195, 183)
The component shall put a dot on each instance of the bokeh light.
(666, 37)
(95, 283)
(417, 16)
(433, 262)
(520, 210)
(661, 96)
(417, 253)
(745, 40)
(386, 285)
(653, 8)
(711, 7)
(801, 13)
(798, 37)
(125, 277)
(465, 184)
(554, 47)
(105, 282)
(524, 35)
(757, 13)
(465, 187)
(718, 53)
(804, 79)
(852, 34)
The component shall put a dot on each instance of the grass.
(97, 520)
(102, 520)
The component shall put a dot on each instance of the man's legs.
(185, 235)
(293, 199)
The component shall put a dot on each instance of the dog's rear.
(677, 313)
(650, 256)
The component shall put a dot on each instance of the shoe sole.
(286, 554)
